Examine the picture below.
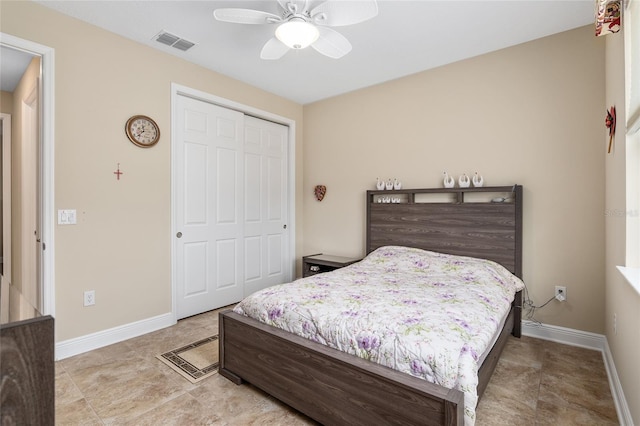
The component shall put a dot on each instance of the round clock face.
(142, 131)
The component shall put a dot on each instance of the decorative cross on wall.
(118, 172)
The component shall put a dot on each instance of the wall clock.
(142, 131)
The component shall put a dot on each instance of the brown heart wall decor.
(320, 191)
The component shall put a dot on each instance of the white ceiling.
(406, 37)
(13, 63)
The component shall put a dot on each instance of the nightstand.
(317, 263)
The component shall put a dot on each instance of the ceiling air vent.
(183, 44)
(173, 41)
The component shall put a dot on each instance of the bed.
(336, 387)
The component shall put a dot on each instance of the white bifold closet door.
(231, 206)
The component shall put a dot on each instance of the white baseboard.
(567, 336)
(108, 337)
(584, 339)
(624, 415)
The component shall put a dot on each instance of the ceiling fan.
(300, 26)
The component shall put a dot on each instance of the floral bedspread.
(427, 314)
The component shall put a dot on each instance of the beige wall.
(531, 114)
(621, 300)
(6, 102)
(121, 244)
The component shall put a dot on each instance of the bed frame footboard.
(337, 388)
(327, 385)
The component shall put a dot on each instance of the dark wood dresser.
(27, 371)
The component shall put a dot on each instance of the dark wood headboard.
(460, 221)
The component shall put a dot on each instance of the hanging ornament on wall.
(608, 14)
(118, 172)
(320, 191)
(610, 122)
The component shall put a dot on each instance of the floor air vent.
(173, 41)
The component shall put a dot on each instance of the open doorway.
(26, 180)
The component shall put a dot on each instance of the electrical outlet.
(89, 297)
(561, 293)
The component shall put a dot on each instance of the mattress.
(431, 315)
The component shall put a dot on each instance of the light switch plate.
(66, 217)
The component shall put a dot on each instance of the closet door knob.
(179, 235)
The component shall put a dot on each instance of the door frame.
(6, 278)
(179, 90)
(47, 103)
(30, 260)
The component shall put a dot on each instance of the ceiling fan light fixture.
(297, 33)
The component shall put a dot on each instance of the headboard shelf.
(441, 219)
(457, 195)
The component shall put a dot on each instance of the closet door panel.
(230, 206)
(209, 252)
(266, 217)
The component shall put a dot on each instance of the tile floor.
(535, 383)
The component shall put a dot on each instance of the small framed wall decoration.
(608, 16)
(610, 122)
(320, 191)
(142, 131)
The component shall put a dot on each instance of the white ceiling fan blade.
(335, 13)
(331, 43)
(245, 16)
(273, 49)
(294, 6)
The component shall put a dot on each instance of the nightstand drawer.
(319, 263)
